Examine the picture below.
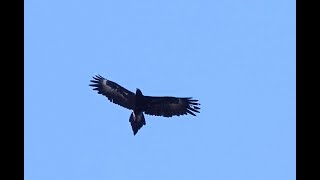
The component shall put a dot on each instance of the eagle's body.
(159, 106)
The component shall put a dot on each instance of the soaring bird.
(166, 106)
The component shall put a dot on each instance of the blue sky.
(236, 57)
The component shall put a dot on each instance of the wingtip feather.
(190, 112)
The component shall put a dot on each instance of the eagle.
(166, 106)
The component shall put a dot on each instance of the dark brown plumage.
(159, 106)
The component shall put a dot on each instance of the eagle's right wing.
(113, 91)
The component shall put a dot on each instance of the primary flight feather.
(166, 106)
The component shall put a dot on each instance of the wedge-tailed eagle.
(158, 106)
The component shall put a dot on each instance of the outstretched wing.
(170, 106)
(113, 91)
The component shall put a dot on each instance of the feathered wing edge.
(113, 91)
(193, 106)
(170, 106)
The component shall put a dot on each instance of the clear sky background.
(237, 57)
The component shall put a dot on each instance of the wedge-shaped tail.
(137, 121)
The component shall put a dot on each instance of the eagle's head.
(138, 92)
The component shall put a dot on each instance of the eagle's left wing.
(170, 106)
